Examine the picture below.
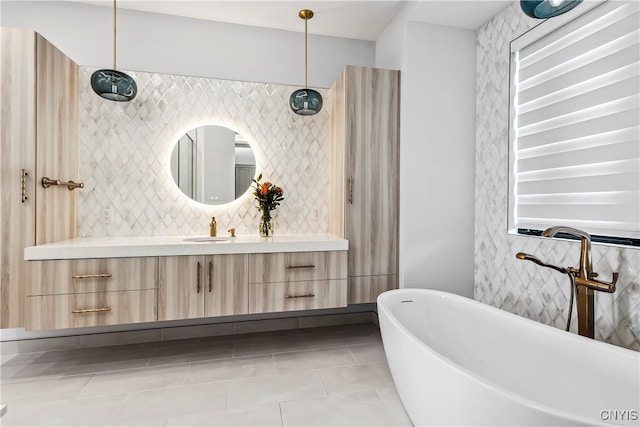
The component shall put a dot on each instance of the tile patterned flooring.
(329, 376)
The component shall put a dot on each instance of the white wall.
(437, 152)
(175, 45)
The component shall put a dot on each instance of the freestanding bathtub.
(456, 361)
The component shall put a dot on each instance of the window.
(575, 124)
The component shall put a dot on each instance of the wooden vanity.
(110, 281)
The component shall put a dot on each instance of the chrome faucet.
(584, 277)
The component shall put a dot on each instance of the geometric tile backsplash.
(501, 280)
(124, 152)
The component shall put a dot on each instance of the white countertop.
(121, 247)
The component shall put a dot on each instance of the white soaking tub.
(456, 361)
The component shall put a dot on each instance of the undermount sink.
(208, 239)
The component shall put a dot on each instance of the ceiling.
(357, 19)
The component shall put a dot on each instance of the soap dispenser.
(213, 227)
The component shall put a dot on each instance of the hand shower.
(568, 271)
(522, 255)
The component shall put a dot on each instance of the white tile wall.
(500, 279)
(125, 150)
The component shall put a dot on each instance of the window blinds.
(576, 124)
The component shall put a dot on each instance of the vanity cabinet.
(364, 201)
(297, 281)
(172, 278)
(38, 126)
(91, 292)
(202, 286)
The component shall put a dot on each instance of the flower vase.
(266, 226)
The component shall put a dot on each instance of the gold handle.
(92, 276)
(300, 266)
(73, 185)
(351, 189)
(47, 182)
(300, 296)
(91, 310)
(210, 274)
(198, 281)
(24, 185)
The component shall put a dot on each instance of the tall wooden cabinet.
(365, 148)
(38, 125)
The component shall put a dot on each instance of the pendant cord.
(305, 53)
(114, 35)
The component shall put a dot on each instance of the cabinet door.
(226, 285)
(365, 289)
(180, 287)
(17, 145)
(372, 166)
(56, 143)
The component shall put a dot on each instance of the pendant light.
(305, 102)
(543, 9)
(114, 85)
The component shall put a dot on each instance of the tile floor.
(330, 376)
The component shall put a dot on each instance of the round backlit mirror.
(213, 164)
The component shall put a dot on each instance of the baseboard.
(175, 332)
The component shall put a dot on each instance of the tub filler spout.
(583, 277)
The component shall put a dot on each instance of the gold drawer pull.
(24, 185)
(91, 310)
(288, 267)
(210, 276)
(92, 276)
(198, 278)
(300, 296)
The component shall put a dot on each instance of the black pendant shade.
(543, 9)
(114, 85)
(305, 102)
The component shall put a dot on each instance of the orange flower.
(267, 195)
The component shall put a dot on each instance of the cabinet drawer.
(91, 309)
(272, 297)
(365, 289)
(92, 275)
(297, 266)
